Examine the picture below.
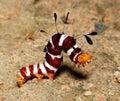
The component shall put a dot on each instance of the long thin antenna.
(88, 39)
(65, 20)
(55, 17)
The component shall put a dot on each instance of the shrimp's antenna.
(88, 39)
(65, 20)
(55, 17)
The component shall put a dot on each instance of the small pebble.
(118, 68)
(117, 76)
(87, 93)
(111, 93)
(118, 79)
(117, 73)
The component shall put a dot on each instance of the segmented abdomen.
(53, 57)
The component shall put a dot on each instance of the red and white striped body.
(53, 57)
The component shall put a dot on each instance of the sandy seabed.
(22, 44)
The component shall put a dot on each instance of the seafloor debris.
(117, 75)
(100, 27)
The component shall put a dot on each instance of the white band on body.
(27, 71)
(51, 41)
(70, 51)
(54, 56)
(62, 38)
(35, 69)
(42, 67)
(75, 46)
(50, 67)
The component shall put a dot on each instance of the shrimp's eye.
(84, 58)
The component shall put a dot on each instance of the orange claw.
(84, 58)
